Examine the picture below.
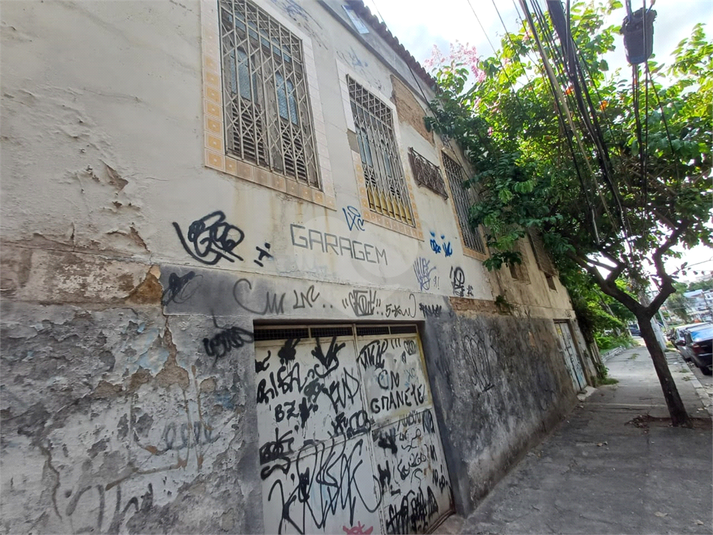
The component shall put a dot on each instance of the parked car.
(676, 337)
(698, 346)
(634, 330)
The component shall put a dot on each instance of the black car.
(698, 346)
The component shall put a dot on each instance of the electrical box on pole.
(638, 31)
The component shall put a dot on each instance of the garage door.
(348, 438)
(569, 353)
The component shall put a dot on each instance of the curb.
(697, 386)
(613, 353)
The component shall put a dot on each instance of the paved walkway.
(612, 466)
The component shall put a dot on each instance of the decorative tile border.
(214, 128)
(367, 214)
(466, 250)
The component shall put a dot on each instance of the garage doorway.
(348, 438)
(570, 355)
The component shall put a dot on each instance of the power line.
(495, 51)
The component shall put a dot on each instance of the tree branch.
(607, 286)
(667, 287)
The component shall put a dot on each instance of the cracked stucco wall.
(114, 417)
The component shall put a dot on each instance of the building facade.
(240, 290)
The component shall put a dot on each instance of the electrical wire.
(495, 51)
(507, 34)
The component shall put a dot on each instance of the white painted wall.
(94, 84)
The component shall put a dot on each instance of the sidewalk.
(612, 466)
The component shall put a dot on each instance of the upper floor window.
(543, 259)
(267, 114)
(386, 188)
(463, 199)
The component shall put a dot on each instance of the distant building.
(240, 290)
(700, 304)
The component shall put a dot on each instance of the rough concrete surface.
(610, 469)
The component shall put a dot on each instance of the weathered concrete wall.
(127, 394)
(499, 384)
(106, 402)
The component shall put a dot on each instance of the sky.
(419, 25)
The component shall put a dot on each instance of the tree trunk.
(676, 409)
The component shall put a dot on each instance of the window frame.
(215, 85)
(415, 230)
(468, 251)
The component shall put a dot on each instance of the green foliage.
(530, 173)
(700, 285)
(607, 342)
(602, 377)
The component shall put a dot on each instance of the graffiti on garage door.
(348, 439)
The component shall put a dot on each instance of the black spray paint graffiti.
(410, 347)
(210, 239)
(476, 350)
(288, 352)
(341, 391)
(262, 254)
(422, 268)
(273, 304)
(430, 311)
(353, 217)
(362, 302)
(338, 245)
(328, 482)
(227, 339)
(396, 310)
(307, 299)
(181, 289)
(414, 513)
(143, 503)
(277, 452)
(458, 281)
(372, 354)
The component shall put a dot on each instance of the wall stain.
(172, 373)
(149, 292)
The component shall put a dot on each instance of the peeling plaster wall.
(118, 413)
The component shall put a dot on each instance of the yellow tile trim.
(214, 130)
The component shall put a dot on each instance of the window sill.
(264, 177)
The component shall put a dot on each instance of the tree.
(612, 176)
(678, 303)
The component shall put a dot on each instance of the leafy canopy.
(533, 171)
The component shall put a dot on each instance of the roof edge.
(382, 30)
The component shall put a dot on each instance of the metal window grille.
(267, 114)
(385, 184)
(543, 259)
(462, 199)
(426, 173)
(519, 271)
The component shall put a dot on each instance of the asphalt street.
(614, 466)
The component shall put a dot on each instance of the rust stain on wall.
(149, 291)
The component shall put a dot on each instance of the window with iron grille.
(543, 259)
(519, 271)
(463, 199)
(426, 174)
(385, 183)
(267, 113)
